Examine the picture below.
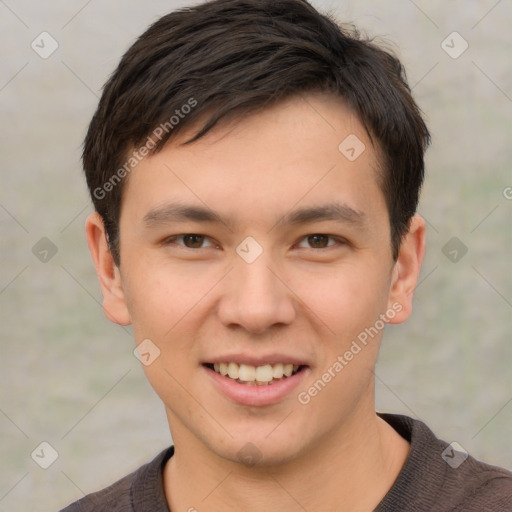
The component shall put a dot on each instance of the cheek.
(160, 297)
(347, 299)
(349, 302)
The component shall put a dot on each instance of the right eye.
(190, 241)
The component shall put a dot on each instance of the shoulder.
(444, 477)
(127, 494)
(114, 498)
(487, 488)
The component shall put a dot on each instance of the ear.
(114, 304)
(406, 271)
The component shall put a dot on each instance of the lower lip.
(256, 396)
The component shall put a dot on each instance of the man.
(255, 171)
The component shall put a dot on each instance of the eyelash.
(173, 239)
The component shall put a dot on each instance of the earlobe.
(406, 270)
(114, 303)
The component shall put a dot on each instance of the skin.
(302, 297)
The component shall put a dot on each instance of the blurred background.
(69, 378)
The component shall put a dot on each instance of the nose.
(256, 298)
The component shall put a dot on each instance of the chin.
(254, 450)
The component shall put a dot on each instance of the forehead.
(309, 149)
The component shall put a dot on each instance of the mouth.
(249, 375)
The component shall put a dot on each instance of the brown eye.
(189, 241)
(318, 241)
(193, 241)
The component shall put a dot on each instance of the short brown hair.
(224, 59)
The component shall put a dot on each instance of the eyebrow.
(334, 211)
(176, 212)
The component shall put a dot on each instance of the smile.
(263, 375)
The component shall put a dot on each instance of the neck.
(348, 470)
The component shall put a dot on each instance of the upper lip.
(257, 360)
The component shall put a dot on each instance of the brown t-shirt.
(436, 477)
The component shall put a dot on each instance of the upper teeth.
(249, 373)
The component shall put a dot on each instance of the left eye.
(191, 241)
(316, 241)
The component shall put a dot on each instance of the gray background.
(69, 377)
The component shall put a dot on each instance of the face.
(262, 251)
